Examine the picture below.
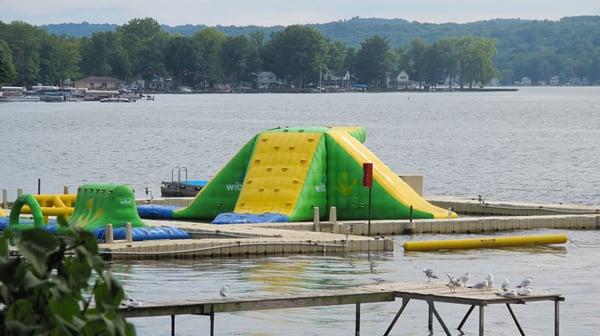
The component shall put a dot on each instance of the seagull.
(453, 284)
(526, 282)
(505, 285)
(524, 291)
(130, 302)
(224, 291)
(429, 274)
(511, 293)
(464, 278)
(481, 285)
(490, 280)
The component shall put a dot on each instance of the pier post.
(128, 234)
(4, 198)
(481, 320)
(39, 186)
(556, 318)
(65, 190)
(333, 215)
(316, 222)
(430, 316)
(109, 236)
(19, 192)
(172, 325)
(357, 326)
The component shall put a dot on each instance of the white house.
(555, 81)
(338, 80)
(402, 81)
(525, 81)
(265, 79)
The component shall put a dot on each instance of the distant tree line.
(299, 55)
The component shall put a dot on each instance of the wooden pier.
(431, 293)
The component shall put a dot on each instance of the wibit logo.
(237, 186)
(321, 188)
(125, 201)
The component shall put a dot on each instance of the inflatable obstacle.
(486, 242)
(91, 209)
(283, 173)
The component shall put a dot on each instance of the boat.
(181, 187)
(115, 100)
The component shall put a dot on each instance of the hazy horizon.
(277, 12)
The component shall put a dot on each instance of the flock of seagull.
(523, 289)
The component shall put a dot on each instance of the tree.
(336, 56)
(476, 60)
(44, 291)
(210, 41)
(182, 59)
(144, 43)
(7, 68)
(298, 54)
(416, 54)
(240, 58)
(59, 59)
(374, 61)
(23, 40)
(103, 55)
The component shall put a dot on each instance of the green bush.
(58, 286)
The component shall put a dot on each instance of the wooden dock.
(431, 293)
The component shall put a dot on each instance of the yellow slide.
(382, 174)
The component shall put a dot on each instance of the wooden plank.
(253, 304)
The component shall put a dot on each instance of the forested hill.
(534, 48)
(398, 31)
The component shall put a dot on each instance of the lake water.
(538, 144)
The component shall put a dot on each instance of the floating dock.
(431, 293)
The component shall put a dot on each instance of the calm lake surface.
(538, 144)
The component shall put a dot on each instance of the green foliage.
(240, 58)
(210, 41)
(49, 289)
(7, 68)
(298, 54)
(373, 61)
(104, 55)
(143, 48)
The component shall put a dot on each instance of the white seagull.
(453, 284)
(511, 293)
(526, 282)
(429, 274)
(524, 291)
(505, 285)
(464, 278)
(481, 285)
(224, 291)
(490, 280)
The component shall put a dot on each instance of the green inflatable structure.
(282, 174)
(100, 204)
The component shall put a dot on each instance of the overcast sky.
(285, 12)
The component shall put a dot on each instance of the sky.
(286, 12)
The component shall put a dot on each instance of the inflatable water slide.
(281, 174)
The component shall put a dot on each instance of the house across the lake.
(99, 83)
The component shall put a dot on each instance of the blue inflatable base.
(4, 222)
(154, 211)
(245, 218)
(145, 233)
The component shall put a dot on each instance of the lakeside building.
(266, 79)
(99, 83)
(338, 80)
(401, 81)
(555, 80)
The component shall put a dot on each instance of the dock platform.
(431, 293)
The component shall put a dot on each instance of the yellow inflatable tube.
(484, 242)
